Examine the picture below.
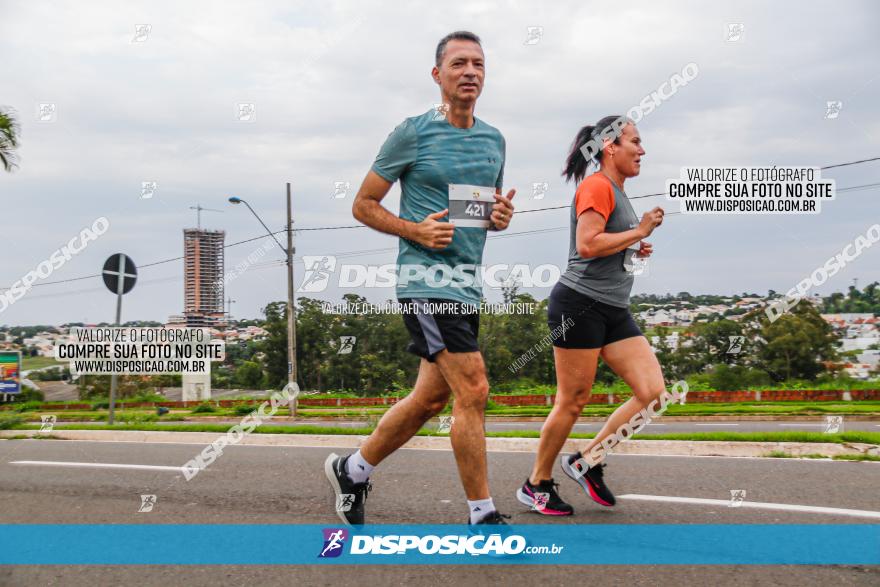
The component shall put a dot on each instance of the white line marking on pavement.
(98, 465)
(716, 424)
(809, 509)
(653, 424)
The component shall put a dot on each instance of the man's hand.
(645, 249)
(432, 233)
(502, 210)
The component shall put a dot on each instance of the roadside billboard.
(10, 371)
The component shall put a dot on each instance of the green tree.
(798, 345)
(712, 342)
(504, 338)
(735, 377)
(9, 130)
(249, 375)
(274, 346)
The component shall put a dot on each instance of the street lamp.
(289, 250)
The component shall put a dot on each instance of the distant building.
(871, 357)
(203, 266)
(660, 318)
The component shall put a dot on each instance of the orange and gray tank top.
(602, 278)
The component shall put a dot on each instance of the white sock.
(357, 468)
(479, 508)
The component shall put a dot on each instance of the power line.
(344, 227)
(385, 249)
(348, 254)
(854, 188)
(851, 163)
(144, 282)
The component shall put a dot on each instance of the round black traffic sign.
(119, 267)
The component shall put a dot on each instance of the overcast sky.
(330, 80)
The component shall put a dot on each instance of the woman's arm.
(593, 241)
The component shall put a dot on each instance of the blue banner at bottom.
(288, 544)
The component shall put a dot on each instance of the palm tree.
(8, 140)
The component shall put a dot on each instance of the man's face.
(461, 72)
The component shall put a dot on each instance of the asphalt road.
(668, 427)
(251, 484)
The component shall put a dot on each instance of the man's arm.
(368, 208)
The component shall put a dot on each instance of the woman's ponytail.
(576, 164)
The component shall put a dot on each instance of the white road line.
(653, 424)
(97, 465)
(809, 509)
(716, 424)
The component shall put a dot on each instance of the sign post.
(120, 275)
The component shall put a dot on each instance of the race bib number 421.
(470, 205)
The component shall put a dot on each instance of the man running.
(450, 165)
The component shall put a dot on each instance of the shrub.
(29, 395)
(145, 396)
(732, 378)
(244, 409)
(9, 422)
(136, 418)
(53, 374)
(28, 406)
(204, 407)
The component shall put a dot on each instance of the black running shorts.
(580, 322)
(435, 325)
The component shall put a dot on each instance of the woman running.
(589, 310)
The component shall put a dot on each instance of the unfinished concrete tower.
(203, 276)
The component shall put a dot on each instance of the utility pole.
(291, 309)
(289, 250)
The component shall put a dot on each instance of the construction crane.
(198, 208)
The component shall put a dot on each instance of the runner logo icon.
(334, 540)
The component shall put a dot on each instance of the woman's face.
(627, 154)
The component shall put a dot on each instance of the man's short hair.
(457, 35)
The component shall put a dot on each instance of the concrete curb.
(530, 445)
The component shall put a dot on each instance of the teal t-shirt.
(427, 154)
